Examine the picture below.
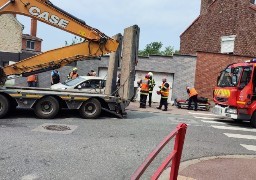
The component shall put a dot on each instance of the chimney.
(204, 6)
(33, 27)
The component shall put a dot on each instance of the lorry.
(45, 102)
(235, 93)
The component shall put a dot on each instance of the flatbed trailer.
(47, 103)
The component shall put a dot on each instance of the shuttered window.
(228, 44)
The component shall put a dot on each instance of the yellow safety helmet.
(74, 69)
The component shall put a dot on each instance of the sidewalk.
(134, 106)
(232, 167)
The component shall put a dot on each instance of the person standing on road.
(55, 77)
(164, 92)
(151, 87)
(144, 85)
(32, 80)
(192, 97)
(73, 74)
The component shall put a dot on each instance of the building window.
(31, 45)
(228, 44)
(252, 1)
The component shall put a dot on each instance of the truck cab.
(235, 93)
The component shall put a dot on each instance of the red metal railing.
(175, 155)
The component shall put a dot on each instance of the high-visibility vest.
(151, 85)
(144, 87)
(73, 75)
(31, 78)
(192, 92)
(165, 91)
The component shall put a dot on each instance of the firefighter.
(164, 92)
(73, 74)
(144, 90)
(151, 87)
(192, 97)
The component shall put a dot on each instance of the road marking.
(203, 114)
(249, 147)
(30, 177)
(200, 117)
(240, 136)
(235, 128)
(213, 122)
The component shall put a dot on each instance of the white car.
(88, 84)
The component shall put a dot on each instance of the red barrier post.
(178, 146)
(175, 155)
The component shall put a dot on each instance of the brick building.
(224, 26)
(11, 34)
(31, 43)
(208, 68)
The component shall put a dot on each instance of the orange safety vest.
(31, 78)
(72, 75)
(165, 92)
(144, 86)
(192, 92)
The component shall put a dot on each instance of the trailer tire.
(253, 120)
(5, 106)
(47, 108)
(90, 109)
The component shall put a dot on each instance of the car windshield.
(230, 77)
(73, 82)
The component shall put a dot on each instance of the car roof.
(91, 77)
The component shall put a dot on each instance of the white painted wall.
(140, 75)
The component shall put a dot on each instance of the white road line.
(249, 147)
(213, 122)
(235, 128)
(200, 117)
(240, 136)
(203, 114)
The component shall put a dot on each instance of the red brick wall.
(37, 45)
(208, 68)
(224, 18)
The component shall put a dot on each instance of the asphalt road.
(109, 148)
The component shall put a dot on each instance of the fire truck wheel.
(90, 109)
(47, 108)
(253, 120)
(5, 106)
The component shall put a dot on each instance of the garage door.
(158, 80)
(140, 75)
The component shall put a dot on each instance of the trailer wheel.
(90, 109)
(47, 108)
(253, 120)
(5, 106)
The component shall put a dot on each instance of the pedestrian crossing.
(231, 129)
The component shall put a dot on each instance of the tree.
(169, 50)
(154, 48)
(75, 40)
(151, 49)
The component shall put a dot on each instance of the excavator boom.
(96, 43)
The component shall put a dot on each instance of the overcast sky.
(159, 20)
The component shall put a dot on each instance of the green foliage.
(154, 48)
(75, 40)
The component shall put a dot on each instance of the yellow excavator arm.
(96, 43)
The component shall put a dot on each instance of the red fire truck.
(235, 93)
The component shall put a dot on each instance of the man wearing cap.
(164, 92)
(151, 87)
(73, 74)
